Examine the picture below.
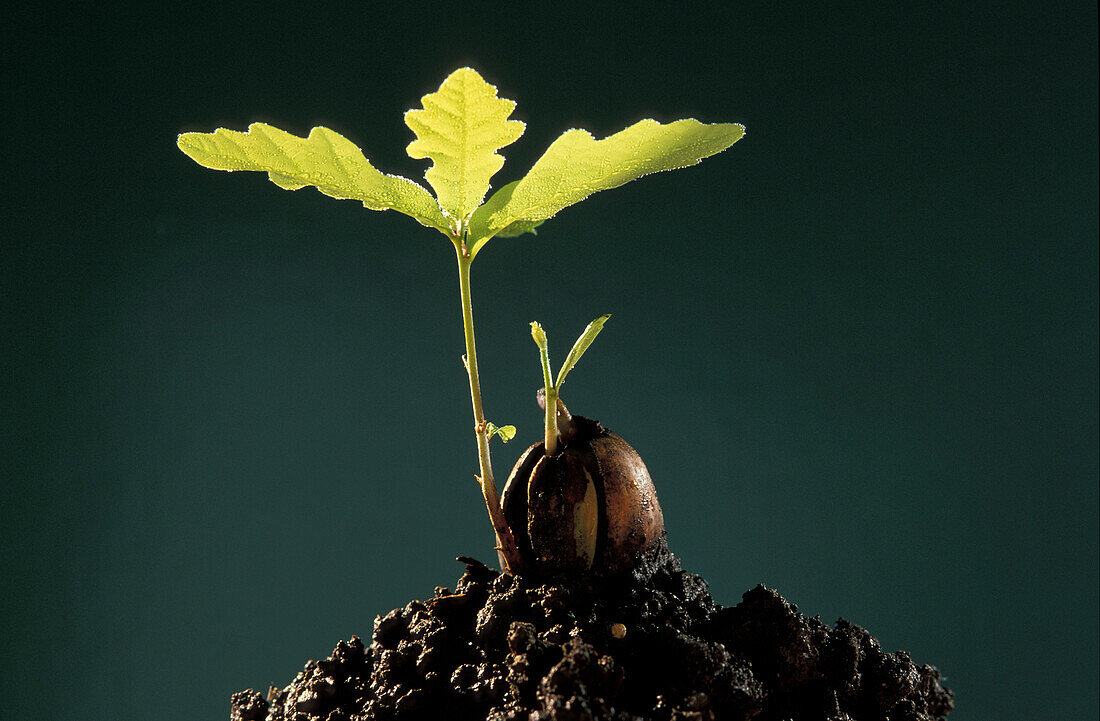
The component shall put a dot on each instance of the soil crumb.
(652, 646)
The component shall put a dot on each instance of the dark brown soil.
(650, 646)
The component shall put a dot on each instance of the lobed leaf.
(577, 165)
(460, 128)
(325, 160)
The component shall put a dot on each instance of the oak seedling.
(460, 128)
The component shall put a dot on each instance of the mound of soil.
(650, 646)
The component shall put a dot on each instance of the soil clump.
(649, 646)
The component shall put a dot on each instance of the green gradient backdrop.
(858, 351)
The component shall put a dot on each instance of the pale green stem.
(505, 541)
(550, 437)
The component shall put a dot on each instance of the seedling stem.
(506, 543)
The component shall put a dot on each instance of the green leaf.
(506, 433)
(460, 129)
(577, 165)
(520, 227)
(580, 347)
(326, 160)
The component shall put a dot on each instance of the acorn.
(588, 506)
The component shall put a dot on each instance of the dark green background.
(858, 351)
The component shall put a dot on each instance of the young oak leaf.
(506, 433)
(460, 128)
(326, 160)
(577, 165)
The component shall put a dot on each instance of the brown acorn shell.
(634, 518)
(591, 505)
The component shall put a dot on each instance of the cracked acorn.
(591, 504)
(582, 498)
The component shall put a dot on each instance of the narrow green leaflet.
(326, 160)
(506, 433)
(580, 347)
(460, 129)
(577, 165)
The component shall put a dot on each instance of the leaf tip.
(189, 139)
(465, 71)
(194, 146)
